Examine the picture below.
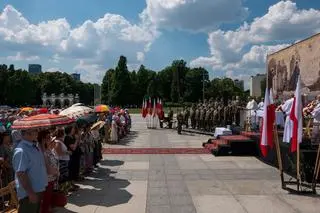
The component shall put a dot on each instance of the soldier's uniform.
(207, 119)
(180, 122)
(186, 117)
(197, 117)
(192, 117)
(202, 117)
(170, 117)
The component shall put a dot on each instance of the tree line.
(176, 83)
(20, 88)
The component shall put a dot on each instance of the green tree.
(106, 86)
(194, 81)
(121, 83)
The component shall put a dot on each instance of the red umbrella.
(42, 110)
(42, 120)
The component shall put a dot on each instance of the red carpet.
(155, 151)
(234, 138)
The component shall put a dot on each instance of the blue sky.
(205, 33)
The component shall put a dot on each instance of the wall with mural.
(285, 65)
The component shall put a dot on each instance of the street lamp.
(203, 85)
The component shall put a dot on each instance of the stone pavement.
(185, 183)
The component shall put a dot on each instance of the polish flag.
(296, 117)
(161, 106)
(150, 106)
(271, 114)
(158, 106)
(265, 136)
(154, 108)
(144, 108)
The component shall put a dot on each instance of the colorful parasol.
(101, 108)
(42, 110)
(26, 109)
(76, 111)
(42, 120)
(87, 119)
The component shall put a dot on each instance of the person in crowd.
(52, 165)
(114, 129)
(122, 123)
(74, 163)
(89, 146)
(6, 153)
(16, 137)
(30, 172)
(63, 155)
(97, 156)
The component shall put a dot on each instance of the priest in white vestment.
(288, 125)
(251, 107)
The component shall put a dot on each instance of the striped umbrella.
(76, 111)
(101, 108)
(41, 121)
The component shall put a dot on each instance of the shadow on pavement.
(101, 188)
(107, 162)
(128, 138)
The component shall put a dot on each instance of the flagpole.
(277, 143)
(316, 170)
(298, 167)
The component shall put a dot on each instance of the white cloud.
(21, 57)
(194, 15)
(94, 43)
(140, 56)
(282, 23)
(53, 69)
(90, 72)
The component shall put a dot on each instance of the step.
(236, 138)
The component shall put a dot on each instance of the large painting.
(284, 66)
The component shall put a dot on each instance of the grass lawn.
(166, 110)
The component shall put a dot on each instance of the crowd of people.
(46, 163)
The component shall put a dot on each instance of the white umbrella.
(77, 104)
(76, 111)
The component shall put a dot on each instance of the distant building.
(76, 76)
(239, 83)
(255, 84)
(35, 68)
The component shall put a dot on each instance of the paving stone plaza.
(182, 183)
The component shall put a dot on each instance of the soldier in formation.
(209, 114)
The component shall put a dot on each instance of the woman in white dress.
(114, 129)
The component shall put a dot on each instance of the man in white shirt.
(261, 104)
(316, 122)
(286, 108)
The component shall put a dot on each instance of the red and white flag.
(266, 138)
(158, 106)
(150, 106)
(144, 108)
(296, 117)
(271, 114)
(154, 108)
